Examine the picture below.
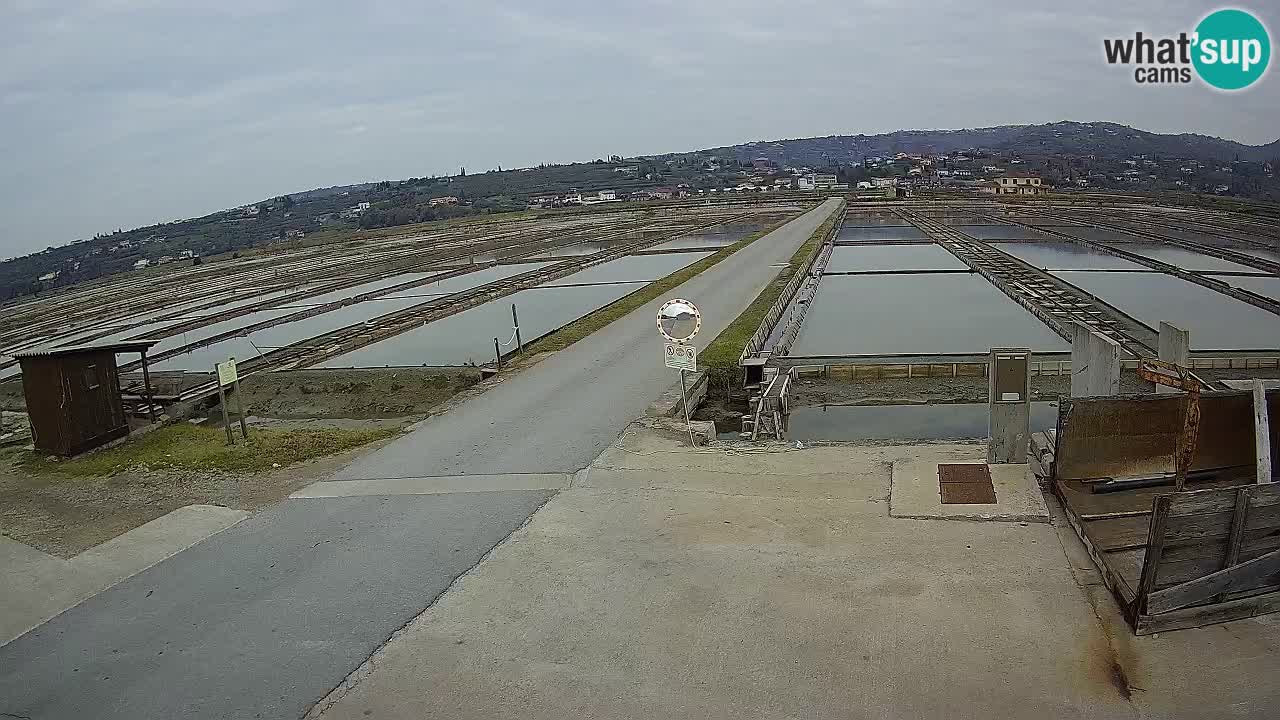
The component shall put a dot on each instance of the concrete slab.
(40, 586)
(436, 485)
(149, 543)
(642, 600)
(914, 492)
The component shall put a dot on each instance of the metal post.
(146, 384)
(235, 388)
(516, 321)
(684, 402)
(222, 400)
(497, 353)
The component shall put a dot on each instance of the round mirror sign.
(679, 320)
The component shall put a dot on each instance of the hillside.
(1102, 139)
(1098, 155)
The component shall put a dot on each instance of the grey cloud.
(118, 113)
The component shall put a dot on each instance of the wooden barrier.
(1173, 559)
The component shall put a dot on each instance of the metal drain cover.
(966, 484)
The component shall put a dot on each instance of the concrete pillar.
(1009, 384)
(1095, 363)
(1175, 347)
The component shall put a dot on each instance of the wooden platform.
(1172, 559)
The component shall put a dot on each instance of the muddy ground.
(353, 394)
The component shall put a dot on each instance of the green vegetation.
(575, 331)
(188, 447)
(723, 352)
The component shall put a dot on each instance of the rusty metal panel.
(967, 494)
(964, 473)
(1137, 435)
(965, 484)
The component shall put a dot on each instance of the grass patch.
(183, 446)
(724, 352)
(584, 326)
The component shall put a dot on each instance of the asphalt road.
(264, 619)
(559, 415)
(260, 620)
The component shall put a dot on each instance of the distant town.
(1008, 160)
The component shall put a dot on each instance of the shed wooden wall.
(68, 415)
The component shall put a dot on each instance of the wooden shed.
(74, 396)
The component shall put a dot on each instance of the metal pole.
(222, 400)
(497, 353)
(516, 321)
(146, 384)
(684, 402)
(235, 388)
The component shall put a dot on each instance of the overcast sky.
(119, 113)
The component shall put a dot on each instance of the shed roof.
(59, 351)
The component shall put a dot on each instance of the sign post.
(227, 375)
(219, 374)
(679, 321)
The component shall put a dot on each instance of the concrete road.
(264, 619)
(678, 583)
(559, 415)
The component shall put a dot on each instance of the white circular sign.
(679, 320)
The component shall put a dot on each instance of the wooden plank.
(1177, 572)
(1155, 546)
(1217, 525)
(1261, 432)
(1193, 617)
(1194, 502)
(1256, 542)
(1241, 577)
(1231, 553)
(1119, 586)
(1114, 515)
(1122, 533)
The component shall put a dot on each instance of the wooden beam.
(1155, 548)
(1238, 519)
(1241, 577)
(1261, 431)
(1202, 615)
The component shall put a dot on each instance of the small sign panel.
(681, 357)
(227, 372)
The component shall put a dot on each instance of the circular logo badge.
(1232, 49)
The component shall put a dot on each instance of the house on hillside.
(141, 264)
(824, 181)
(1020, 184)
(442, 200)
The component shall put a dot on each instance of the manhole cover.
(968, 484)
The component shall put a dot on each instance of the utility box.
(1009, 431)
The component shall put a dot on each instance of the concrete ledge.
(39, 586)
(668, 403)
(436, 485)
(914, 493)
